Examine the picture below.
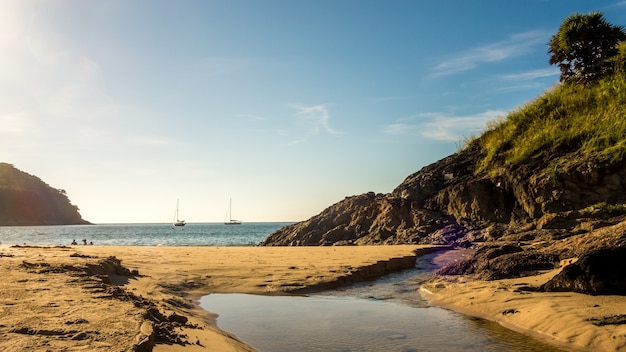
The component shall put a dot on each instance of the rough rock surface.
(535, 206)
(447, 203)
(371, 219)
(503, 261)
(598, 272)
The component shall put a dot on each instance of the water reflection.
(385, 315)
(327, 323)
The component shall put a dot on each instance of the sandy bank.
(78, 298)
(569, 320)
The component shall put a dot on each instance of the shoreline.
(563, 319)
(121, 298)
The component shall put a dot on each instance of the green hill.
(587, 120)
(27, 200)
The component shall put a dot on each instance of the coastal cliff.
(527, 192)
(27, 200)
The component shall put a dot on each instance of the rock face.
(27, 200)
(448, 203)
(370, 219)
(522, 219)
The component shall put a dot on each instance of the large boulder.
(599, 272)
(495, 262)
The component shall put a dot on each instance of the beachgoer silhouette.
(85, 242)
(74, 242)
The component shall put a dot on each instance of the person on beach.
(74, 242)
(85, 242)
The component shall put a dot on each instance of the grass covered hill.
(27, 200)
(571, 119)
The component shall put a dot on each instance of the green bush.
(612, 209)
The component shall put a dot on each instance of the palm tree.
(582, 46)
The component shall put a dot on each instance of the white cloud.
(533, 74)
(316, 117)
(443, 127)
(514, 46)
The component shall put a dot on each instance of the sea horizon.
(142, 234)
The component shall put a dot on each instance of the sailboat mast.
(178, 222)
(229, 214)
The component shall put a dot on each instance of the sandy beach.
(569, 320)
(96, 298)
(78, 298)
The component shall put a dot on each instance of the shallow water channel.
(384, 315)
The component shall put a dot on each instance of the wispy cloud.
(531, 75)
(311, 120)
(316, 117)
(514, 46)
(441, 126)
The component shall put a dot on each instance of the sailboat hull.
(229, 214)
(176, 221)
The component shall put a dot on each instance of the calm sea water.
(193, 234)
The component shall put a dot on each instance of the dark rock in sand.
(502, 262)
(600, 272)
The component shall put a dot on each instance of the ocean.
(193, 234)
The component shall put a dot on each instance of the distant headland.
(27, 200)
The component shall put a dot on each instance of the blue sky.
(285, 106)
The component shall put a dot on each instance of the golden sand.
(565, 319)
(74, 299)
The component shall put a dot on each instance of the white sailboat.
(178, 222)
(229, 219)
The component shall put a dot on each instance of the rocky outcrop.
(447, 202)
(370, 219)
(522, 219)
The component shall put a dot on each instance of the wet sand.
(80, 298)
(569, 320)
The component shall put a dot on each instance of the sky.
(284, 106)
